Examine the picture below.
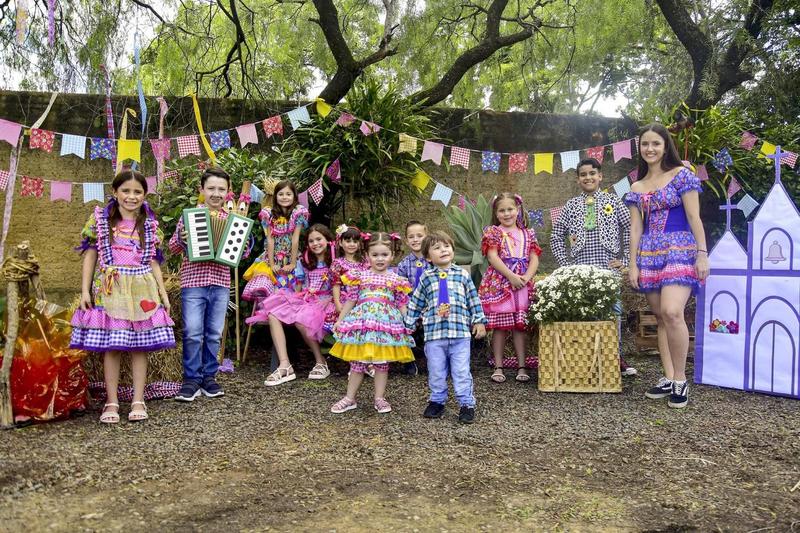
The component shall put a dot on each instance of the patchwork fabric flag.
(161, 148)
(4, 177)
(569, 160)
(789, 158)
(542, 163)
(170, 174)
(596, 152)
(152, 184)
(256, 194)
(555, 213)
(188, 145)
(490, 162)
(323, 108)
(767, 148)
(247, 134)
(634, 174)
(73, 144)
(272, 126)
(432, 151)
(368, 128)
(32, 187)
(722, 160)
(733, 187)
(345, 119)
(747, 204)
(220, 140)
(316, 191)
(421, 180)
(459, 156)
(334, 171)
(407, 144)
(93, 192)
(303, 198)
(10, 132)
(621, 150)
(536, 216)
(702, 172)
(622, 187)
(748, 140)
(298, 117)
(42, 139)
(518, 163)
(129, 149)
(443, 193)
(60, 190)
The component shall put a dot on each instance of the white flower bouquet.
(576, 293)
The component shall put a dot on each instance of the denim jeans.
(618, 312)
(449, 356)
(203, 319)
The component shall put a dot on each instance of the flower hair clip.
(340, 230)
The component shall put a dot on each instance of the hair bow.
(394, 236)
(230, 196)
(365, 236)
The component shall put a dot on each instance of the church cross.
(777, 157)
(728, 208)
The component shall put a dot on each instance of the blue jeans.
(618, 312)
(453, 356)
(203, 319)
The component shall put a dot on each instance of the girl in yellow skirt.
(370, 328)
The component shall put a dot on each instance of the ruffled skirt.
(373, 332)
(315, 314)
(667, 259)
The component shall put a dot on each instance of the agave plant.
(467, 227)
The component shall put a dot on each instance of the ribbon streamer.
(207, 146)
(12, 178)
(109, 116)
(142, 103)
(22, 21)
(163, 108)
(51, 22)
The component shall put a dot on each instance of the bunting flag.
(256, 194)
(733, 187)
(490, 161)
(596, 152)
(170, 175)
(722, 160)
(634, 174)
(748, 140)
(518, 163)
(302, 198)
(442, 193)
(32, 187)
(298, 117)
(789, 158)
(542, 163)
(767, 148)
(4, 175)
(459, 156)
(161, 149)
(555, 213)
(272, 126)
(123, 135)
(432, 151)
(536, 217)
(621, 150)
(334, 171)
(73, 144)
(93, 192)
(345, 119)
(60, 190)
(323, 108)
(407, 144)
(10, 132)
(188, 145)
(101, 148)
(569, 160)
(42, 139)
(421, 180)
(220, 140)
(152, 184)
(129, 149)
(622, 187)
(368, 128)
(747, 204)
(316, 191)
(702, 172)
(247, 134)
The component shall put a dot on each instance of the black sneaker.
(434, 410)
(680, 395)
(211, 388)
(410, 369)
(662, 389)
(466, 415)
(189, 391)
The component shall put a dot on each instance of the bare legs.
(673, 334)
(519, 338)
(111, 367)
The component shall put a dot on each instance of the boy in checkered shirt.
(447, 301)
(205, 293)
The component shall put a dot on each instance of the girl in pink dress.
(507, 285)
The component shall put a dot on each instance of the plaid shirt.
(200, 273)
(408, 268)
(465, 306)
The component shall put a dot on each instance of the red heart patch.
(147, 305)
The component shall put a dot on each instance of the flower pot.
(579, 357)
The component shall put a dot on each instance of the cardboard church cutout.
(748, 312)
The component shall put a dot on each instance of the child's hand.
(184, 236)
(336, 326)
(289, 268)
(338, 307)
(165, 300)
(633, 276)
(85, 302)
(517, 281)
(479, 330)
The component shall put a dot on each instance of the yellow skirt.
(259, 268)
(369, 353)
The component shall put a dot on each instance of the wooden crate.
(647, 331)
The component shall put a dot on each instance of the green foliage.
(467, 229)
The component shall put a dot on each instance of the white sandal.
(138, 415)
(280, 376)
(110, 417)
(320, 371)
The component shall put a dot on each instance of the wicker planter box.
(579, 357)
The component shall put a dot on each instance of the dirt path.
(263, 459)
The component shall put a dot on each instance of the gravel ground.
(276, 459)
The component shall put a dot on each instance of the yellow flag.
(207, 146)
(323, 109)
(129, 149)
(542, 163)
(766, 149)
(407, 144)
(123, 135)
(421, 180)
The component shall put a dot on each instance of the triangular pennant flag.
(32, 187)
(748, 140)
(334, 171)
(247, 134)
(102, 148)
(60, 190)
(702, 172)
(316, 191)
(542, 163)
(42, 139)
(93, 192)
(323, 109)
(432, 151)
(302, 198)
(442, 193)
(256, 194)
(722, 160)
(345, 119)
(129, 149)
(272, 126)
(161, 148)
(10, 132)
(518, 163)
(220, 140)
(169, 175)
(407, 144)
(555, 212)
(368, 128)
(747, 204)
(298, 117)
(569, 160)
(767, 148)
(73, 144)
(733, 187)
(596, 152)
(536, 217)
(490, 161)
(4, 177)
(188, 145)
(621, 150)
(459, 156)
(421, 180)
(789, 158)
(634, 174)
(622, 187)
(152, 184)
